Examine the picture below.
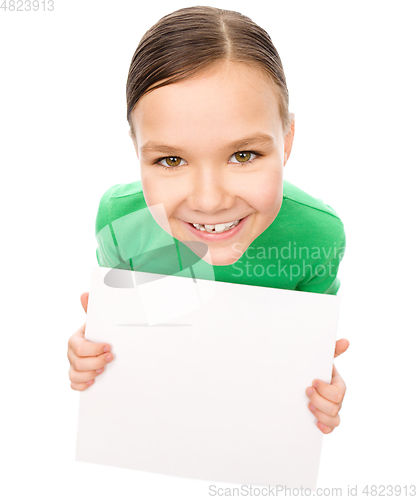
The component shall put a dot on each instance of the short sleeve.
(325, 279)
(107, 252)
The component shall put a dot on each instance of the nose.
(210, 191)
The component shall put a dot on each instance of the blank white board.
(208, 379)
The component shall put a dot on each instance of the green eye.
(247, 155)
(243, 157)
(171, 163)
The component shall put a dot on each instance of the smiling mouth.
(216, 228)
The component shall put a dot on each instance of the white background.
(352, 77)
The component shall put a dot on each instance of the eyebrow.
(260, 138)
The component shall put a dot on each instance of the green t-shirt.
(300, 250)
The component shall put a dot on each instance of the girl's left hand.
(326, 399)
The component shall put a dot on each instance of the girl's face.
(212, 150)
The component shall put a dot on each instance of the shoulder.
(310, 215)
(316, 228)
(119, 200)
(294, 194)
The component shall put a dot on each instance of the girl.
(207, 105)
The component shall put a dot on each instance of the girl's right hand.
(87, 359)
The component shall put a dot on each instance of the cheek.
(158, 191)
(267, 192)
(148, 188)
(154, 192)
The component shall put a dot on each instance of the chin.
(226, 259)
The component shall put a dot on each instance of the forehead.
(231, 100)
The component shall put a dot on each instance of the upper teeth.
(216, 228)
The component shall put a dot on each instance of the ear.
(288, 140)
(134, 142)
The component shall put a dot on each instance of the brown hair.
(192, 39)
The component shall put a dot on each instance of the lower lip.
(204, 235)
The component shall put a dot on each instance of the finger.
(83, 347)
(84, 300)
(323, 404)
(81, 377)
(335, 391)
(82, 387)
(88, 363)
(337, 381)
(341, 346)
(324, 419)
(324, 428)
(79, 334)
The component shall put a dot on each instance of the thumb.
(341, 346)
(84, 300)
